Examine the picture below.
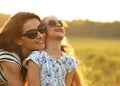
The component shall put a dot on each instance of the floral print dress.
(52, 71)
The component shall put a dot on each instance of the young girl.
(52, 66)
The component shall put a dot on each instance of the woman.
(51, 67)
(21, 34)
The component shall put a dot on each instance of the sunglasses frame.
(33, 32)
(53, 23)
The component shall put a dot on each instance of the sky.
(94, 10)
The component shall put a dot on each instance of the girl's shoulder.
(66, 56)
(36, 56)
(36, 53)
(69, 61)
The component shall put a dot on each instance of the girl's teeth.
(57, 30)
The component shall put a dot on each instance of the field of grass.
(99, 60)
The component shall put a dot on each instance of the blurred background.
(93, 31)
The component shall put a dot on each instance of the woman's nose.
(39, 35)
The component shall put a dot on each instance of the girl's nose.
(58, 25)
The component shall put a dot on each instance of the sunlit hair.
(66, 47)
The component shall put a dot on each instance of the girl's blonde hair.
(66, 47)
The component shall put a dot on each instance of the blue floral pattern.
(53, 71)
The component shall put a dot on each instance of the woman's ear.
(18, 41)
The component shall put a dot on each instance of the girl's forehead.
(49, 18)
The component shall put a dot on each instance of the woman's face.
(29, 41)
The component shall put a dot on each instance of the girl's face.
(31, 39)
(55, 29)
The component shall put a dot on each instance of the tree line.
(85, 28)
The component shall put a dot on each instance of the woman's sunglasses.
(54, 23)
(33, 32)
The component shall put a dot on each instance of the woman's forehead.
(30, 24)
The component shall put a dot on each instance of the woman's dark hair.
(13, 29)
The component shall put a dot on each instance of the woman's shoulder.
(3, 52)
(9, 56)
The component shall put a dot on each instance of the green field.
(99, 60)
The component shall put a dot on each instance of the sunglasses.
(33, 32)
(54, 23)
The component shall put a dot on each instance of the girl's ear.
(18, 41)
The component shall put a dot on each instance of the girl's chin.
(61, 37)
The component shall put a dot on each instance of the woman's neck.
(25, 52)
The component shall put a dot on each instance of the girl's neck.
(53, 48)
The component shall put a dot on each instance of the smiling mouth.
(39, 42)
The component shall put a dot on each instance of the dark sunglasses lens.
(52, 23)
(41, 28)
(31, 34)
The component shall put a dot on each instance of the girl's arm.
(33, 74)
(73, 79)
(69, 78)
(12, 73)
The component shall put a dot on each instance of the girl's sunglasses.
(53, 23)
(33, 32)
